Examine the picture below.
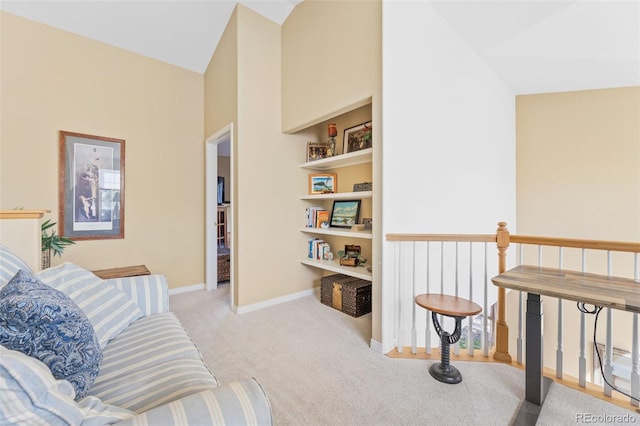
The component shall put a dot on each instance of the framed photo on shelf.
(344, 213)
(91, 187)
(357, 138)
(326, 183)
(316, 151)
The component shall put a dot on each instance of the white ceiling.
(533, 46)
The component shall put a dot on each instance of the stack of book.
(319, 249)
(317, 217)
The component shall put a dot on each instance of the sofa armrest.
(237, 403)
(149, 292)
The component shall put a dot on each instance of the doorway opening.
(219, 210)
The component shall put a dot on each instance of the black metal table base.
(444, 371)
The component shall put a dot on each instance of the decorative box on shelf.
(364, 186)
(346, 294)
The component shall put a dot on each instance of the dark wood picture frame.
(357, 138)
(91, 186)
(345, 213)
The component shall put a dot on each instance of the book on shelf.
(322, 216)
(319, 249)
(310, 247)
(312, 216)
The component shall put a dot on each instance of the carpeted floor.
(317, 368)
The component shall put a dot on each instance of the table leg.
(533, 376)
(444, 371)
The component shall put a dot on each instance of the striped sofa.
(151, 372)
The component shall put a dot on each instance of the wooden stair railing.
(503, 240)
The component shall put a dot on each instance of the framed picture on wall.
(91, 187)
(344, 213)
(357, 138)
(325, 183)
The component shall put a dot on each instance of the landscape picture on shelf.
(316, 151)
(345, 213)
(357, 138)
(326, 183)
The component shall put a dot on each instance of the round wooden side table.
(451, 306)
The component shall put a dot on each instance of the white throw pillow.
(108, 308)
(29, 394)
(10, 263)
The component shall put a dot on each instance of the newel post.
(502, 330)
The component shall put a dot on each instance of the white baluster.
(470, 341)
(520, 314)
(427, 333)
(608, 353)
(414, 332)
(456, 346)
(635, 350)
(582, 359)
(559, 354)
(398, 263)
(485, 304)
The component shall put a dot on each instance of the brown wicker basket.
(224, 266)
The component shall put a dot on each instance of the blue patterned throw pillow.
(43, 323)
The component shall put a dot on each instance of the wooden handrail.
(22, 214)
(577, 243)
(474, 238)
(503, 239)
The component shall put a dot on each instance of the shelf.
(364, 234)
(338, 196)
(334, 266)
(344, 160)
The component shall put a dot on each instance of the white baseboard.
(186, 289)
(273, 302)
(376, 346)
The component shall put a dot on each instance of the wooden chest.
(346, 294)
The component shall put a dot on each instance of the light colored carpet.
(317, 368)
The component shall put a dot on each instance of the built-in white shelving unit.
(341, 164)
(334, 266)
(339, 196)
(344, 160)
(364, 234)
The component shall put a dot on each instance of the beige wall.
(331, 58)
(52, 80)
(332, 62)
(578, 176)
(267, 217)
(243, 86)
(578, 164)
(221, 81)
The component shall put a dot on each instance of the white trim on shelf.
(334, 266)
(365, 234)
(338, 195)
(344, 160)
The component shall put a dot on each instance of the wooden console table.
(599, 290)
(127, 271)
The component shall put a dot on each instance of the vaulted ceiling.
(533, 46)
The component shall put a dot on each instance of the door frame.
(211, 204)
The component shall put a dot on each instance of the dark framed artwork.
(357, 138)
(91, 187)
(345, 213)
